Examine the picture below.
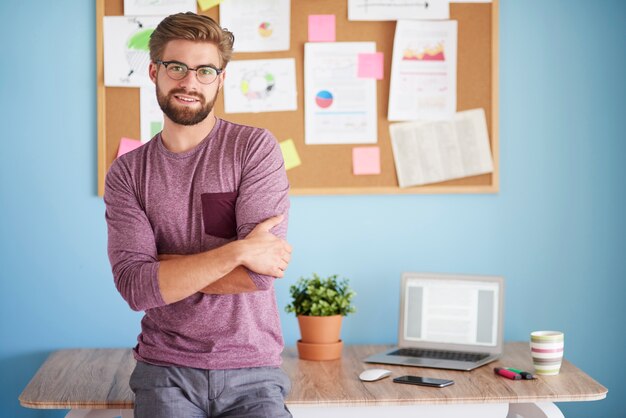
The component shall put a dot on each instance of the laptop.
(448, 321)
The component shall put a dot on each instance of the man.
(197, 219)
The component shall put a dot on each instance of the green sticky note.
(290, 154)
(207, 4)
(155, 128)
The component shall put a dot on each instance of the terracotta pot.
(320, 352)
(320, 329)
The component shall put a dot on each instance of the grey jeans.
(184, 392)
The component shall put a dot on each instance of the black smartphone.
(423, 381)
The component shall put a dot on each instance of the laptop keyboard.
(439, 354)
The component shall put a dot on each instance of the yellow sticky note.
(290, 154)
(207, 4)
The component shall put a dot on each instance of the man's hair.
(192, 27)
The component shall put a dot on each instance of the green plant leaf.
(318, 296)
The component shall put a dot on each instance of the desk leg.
(534, 410)
(100, 413)
(422, 411)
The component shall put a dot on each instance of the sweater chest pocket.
(218, 214)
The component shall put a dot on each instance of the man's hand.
(261, 251)
(265, 253)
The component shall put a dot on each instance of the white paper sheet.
(158, 7)
(430, 152)
(398, 9)
(126, 53)
(259, 25)
(150, 113)
(260, 86)
(339, 107)
(423, 71)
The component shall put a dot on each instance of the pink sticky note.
(366, 160)
(321, 28)
(371, 65)
(127, 145)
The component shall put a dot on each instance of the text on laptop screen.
(451, 311)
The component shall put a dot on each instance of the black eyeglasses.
(177, 71)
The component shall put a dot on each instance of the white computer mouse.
(372, 375)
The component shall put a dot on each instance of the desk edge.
(130, 405)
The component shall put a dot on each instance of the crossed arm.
(147, 280)
(223, 270)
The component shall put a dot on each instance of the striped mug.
(546, 349)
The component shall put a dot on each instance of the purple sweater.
(160, 202)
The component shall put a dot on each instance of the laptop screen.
(449, 310)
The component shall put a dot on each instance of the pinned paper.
(366, 160)
(127, 145)
(321, 28)
(400, 9)
(127, 50)
(150, 114)
(339, 107)
(207, 4)
(371, 65)
(261, 86)
(258, 25)
(158, 8)
(155, 128)
(290, 154)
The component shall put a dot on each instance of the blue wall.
(556, 230)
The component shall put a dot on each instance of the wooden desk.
(98, 379)
(337, 383)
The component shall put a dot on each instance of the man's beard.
(184, 115)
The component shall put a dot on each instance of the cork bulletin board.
(327, 169)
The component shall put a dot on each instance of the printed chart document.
(158, 7)
(339, 107)
(423, 71)
(150, 114)
(430, 152)
(126, 51)
(398, 9)
(260, 86)
(259, 25)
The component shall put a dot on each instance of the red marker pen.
(507, 373)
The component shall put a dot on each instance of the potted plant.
(320, 304)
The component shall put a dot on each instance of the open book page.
(431, 152)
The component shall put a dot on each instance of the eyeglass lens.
(205, 75)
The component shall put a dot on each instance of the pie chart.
(265, 29)
(257, 85)
(138, 51)
(324, 99)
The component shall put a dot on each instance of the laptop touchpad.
(413, 360)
